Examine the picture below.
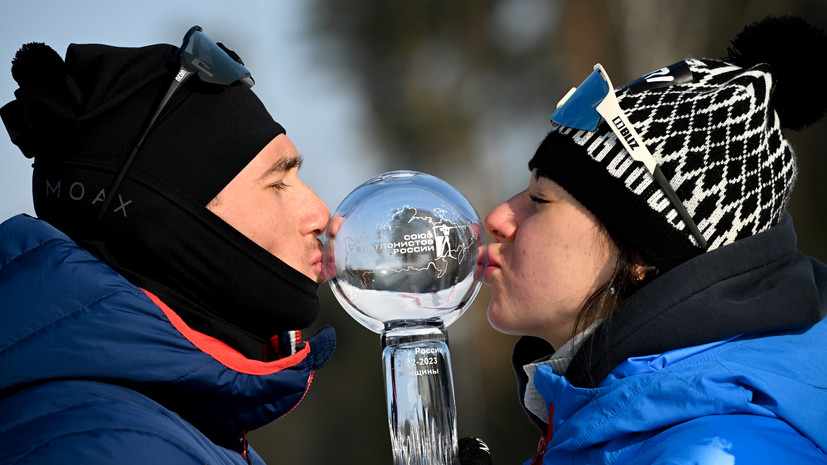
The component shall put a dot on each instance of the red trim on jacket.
(225, 354)
(545, 439)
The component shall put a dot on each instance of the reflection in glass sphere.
(404, 247)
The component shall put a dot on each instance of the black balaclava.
(79, 119)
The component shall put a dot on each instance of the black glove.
(473, 451)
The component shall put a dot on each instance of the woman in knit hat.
(652, 269)
(150, 314)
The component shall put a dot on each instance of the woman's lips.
(493, 264)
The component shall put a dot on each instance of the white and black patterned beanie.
(716, 132)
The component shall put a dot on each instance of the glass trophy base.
(419, 391)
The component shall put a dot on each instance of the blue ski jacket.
(96, 370)
(722, 360)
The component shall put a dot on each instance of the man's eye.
(281, 185)
(534, 198)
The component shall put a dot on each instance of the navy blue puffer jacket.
(95, 370)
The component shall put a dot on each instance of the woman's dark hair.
(621, 284)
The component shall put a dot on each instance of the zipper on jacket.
(546, 439)
(245, 454)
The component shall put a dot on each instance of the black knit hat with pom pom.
(90, 109)
(715, 129)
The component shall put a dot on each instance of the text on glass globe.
(404, 246)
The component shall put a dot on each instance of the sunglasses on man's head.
(199, 55)
(212, 62)
(582, 108)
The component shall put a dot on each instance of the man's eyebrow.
(284, 164)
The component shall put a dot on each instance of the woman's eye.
(536, 199)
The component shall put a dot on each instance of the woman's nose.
(501, 223)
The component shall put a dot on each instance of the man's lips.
(317, 262)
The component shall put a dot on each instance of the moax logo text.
(77, 192)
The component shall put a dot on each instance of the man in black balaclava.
(151, 313)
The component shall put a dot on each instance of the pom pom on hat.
(37, 64)
(796, 53)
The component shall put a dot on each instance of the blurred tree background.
(463, 90)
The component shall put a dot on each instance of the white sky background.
(320, 113)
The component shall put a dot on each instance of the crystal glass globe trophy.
(404, 255)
